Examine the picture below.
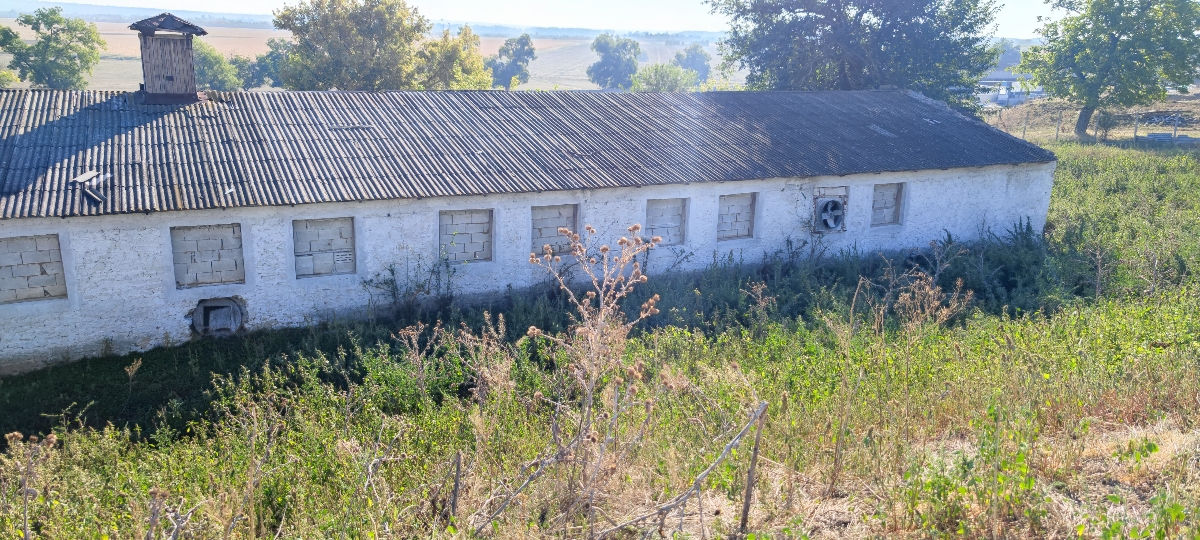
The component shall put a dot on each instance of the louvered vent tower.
(167, 68)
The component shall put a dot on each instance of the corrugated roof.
(283, 148)
(168, 22)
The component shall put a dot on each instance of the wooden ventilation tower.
(167, 70)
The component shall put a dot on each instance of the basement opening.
(218, 317)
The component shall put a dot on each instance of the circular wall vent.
(831, 214)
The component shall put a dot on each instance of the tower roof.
(168, 22)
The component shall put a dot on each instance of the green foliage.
(268, 66)
(664, 78)
(696, 59)
(617, 64)
(373, 45)
(7, 78)
(63, 53)
(246, 70)
(937, 47)
(213, 70)
(454, 63)
(511, 65)
(1116, 53)
(973, 425)
(352, 45)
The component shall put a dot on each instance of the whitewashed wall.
(122, 295)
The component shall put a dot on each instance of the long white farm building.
(132, 219)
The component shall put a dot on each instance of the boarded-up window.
(31, 268)
(735, 218)
(667, 218)
(207, 255)
(545, 224)
(885, 207)
(465, 235)
(323, 246)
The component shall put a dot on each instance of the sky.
(1017, 18)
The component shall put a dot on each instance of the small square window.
(323, 246)
(885, 206)
(735, 217)
(207, 255)
(465, 235)
(667, 218)
(31, 268)
(545, 223)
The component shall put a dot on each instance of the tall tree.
(267, 67)
(617, 64)
(937, 47)
(248, 71)
(213, 70)
(454, 63)
(511, 64)
(1116, 53)
(664, 78)
(696, 59)
(63, 53)
(352, 44)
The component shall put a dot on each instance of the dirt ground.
(1050, 119)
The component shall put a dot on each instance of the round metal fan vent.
(832, 214)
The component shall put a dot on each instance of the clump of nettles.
(598, 397)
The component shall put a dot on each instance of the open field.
(561, 64)
(1054, 395)
(121, 41)
(1046, 119)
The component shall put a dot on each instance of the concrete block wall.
(465, 235)
(207, 254)
(545, 222)
(735, 217)
(31, 268)
(667, 218)
(323, 247)
(885, 204)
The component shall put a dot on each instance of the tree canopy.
(352, 45)
(694, 58)
(266, 68)
(453, 63)
(213, 70)
(664, 78)
(937, 47)
(369, 45)
(1116, 53)
(63, 53)
(511, 64)
(617, 64)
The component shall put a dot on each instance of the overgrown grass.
(1061, 400)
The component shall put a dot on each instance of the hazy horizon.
(1016, 19)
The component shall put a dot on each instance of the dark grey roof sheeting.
(283, 148)
(168, 22)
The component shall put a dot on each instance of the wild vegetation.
(1026, 385)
